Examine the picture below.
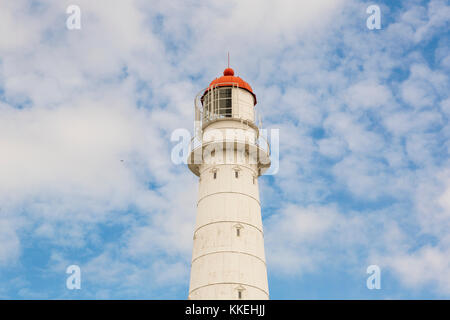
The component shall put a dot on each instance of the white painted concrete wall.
(223, 262)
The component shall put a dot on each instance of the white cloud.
(426, 266)
(298, 239)
(422, 86)
(332, 147)
(359, 139)
(10, 248)
(368, 95)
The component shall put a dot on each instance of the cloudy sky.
(86, 117)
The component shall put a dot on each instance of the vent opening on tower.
(240, 292)
(214, 172)
(236, 171)
(238, 229)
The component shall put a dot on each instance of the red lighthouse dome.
(228, 80)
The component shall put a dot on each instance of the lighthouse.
(228, 154)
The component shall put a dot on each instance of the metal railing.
(259, 142)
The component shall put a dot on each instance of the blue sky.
(364, 175)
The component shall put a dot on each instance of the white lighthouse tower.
(228, 155)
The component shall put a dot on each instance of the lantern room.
(227, 97)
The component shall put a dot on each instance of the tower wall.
(228, 260)
(243, 104)
(223, 257)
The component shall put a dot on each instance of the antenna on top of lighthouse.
(228, 53)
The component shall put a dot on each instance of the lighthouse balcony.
(243, 151)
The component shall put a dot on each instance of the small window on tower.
(238, 230)
(240, 291)
(215, 175)
(236, 174)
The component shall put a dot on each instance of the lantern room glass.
(217, 103)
